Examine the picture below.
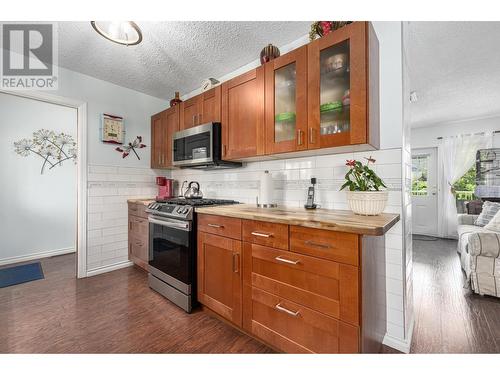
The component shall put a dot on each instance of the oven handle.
(171, 224)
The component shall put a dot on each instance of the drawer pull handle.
(285, 310)
(323, 245)
(279, 258)
(215, 225)
(258, 234)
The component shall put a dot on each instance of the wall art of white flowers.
(53, 148)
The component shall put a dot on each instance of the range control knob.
(186, 210)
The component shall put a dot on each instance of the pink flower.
(350, 163)
(326, 27)
(125, 154)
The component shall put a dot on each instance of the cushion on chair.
(489, 211)
(494, 223)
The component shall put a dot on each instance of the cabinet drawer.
(265, 233)
(138, 251)
(337, 246)
(294, 328)
(137, 209)
(324, 286)
(220, 225)
(138, 226)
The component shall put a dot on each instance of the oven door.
(171, 252)
(193, 145)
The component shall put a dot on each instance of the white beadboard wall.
(291, 179)
(109, 187)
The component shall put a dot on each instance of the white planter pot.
(367, 202)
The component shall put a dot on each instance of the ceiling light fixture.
(122, 32)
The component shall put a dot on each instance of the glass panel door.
(335, 89)
(284, 103)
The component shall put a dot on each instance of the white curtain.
(457, 155)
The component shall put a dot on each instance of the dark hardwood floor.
(449, 317)
(109, 313)
(118, 313)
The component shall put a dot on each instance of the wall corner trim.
(399, 344)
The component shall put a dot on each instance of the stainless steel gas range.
(172, 248)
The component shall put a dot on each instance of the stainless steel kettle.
(193, 191)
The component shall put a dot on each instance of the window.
(464, 187)
(419, 173)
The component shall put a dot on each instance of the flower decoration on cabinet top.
(137, 143)
(322, 28)
(53, 148)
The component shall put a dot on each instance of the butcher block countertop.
(144, 201)
(335, 220)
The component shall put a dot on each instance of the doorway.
(80, 108)
(424, 192)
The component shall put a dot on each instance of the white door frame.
(81, 163)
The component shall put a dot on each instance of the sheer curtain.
(457, 155)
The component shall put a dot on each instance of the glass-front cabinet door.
(337, 92)
(286, 102)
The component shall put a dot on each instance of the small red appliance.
(165, 188)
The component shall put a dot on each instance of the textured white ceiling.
(173, 56)
(455, 69)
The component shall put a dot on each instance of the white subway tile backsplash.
(108, 190)
(300, 163)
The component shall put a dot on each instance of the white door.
(424, 191)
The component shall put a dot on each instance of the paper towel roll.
(266, 188)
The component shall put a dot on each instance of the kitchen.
(233, 143)
(268, 265)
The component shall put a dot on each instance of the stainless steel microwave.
(200, 147)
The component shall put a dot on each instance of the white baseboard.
(112, 267)
(43, 254)
(398, 344)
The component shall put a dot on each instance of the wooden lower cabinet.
(138, 235)
(219, 275)
(322, 295)
(294, 328)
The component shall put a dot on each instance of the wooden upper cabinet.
(210, 106)
(342, 93)
(171, 126)
(243, 115)
(286, 102)
(219, 275)
(157, 126)
(190, 109)
(163, 126)
(201, 109)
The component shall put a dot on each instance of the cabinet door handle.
(236, 263)
(285, 310)
(322, 245)
(259, 234)
(300, 140)
(281, 259)
(193, 120)
(215, 225)
(311, 135)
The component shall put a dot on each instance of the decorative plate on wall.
(112, 129)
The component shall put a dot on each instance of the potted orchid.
(364, 196)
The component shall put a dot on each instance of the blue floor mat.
(20, 274)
